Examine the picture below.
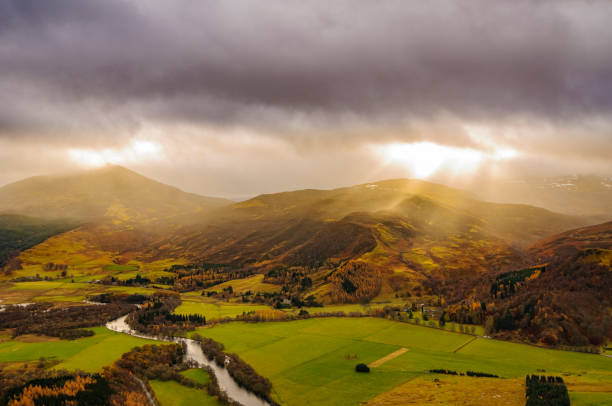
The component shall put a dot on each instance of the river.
(194, 353)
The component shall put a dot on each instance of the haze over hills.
(112, 192)
(412, 204)
(405, 231)
(574, 195)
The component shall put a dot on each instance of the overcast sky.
(239, 97)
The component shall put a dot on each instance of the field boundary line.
(465, 344)
(388, 357)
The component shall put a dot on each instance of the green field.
(306, 359)
(120, 268)
(212, 309)
(171, 393)
(253, 283)
(216, 310)
(60, 291)
(197, 374)
(590, 399)
(88, 354)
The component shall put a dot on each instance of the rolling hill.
(117, 211)
(403, 234)
(593, 239)
(20, 232)
(566, 299)
(404, 230)
(277, 224)
(376, 241)
(112, 192)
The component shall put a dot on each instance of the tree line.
(546, 391)
(63, 322)
(156, 316)
(243, 373)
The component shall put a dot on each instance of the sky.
(235, 98)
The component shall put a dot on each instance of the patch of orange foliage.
(31, 393)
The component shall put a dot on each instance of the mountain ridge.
(111, 192)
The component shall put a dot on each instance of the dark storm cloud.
(310, 87)
(316, 64)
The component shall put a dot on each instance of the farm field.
(253, 283)
(194, 303)
(312, 361)
(171, 393)
(59, 291)
(214, 310)
(454, 390)
(590, 399)
(88, 354)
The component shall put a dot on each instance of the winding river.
(194, 353)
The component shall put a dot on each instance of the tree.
(306, 282)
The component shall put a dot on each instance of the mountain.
(595, 240)
(565, 299)
(576, 195)
(405, 232)
(112, 192)
(402, 236)
(403, 206)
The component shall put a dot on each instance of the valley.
(405, 276)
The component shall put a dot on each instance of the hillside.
(20, 232)
(404, 231)
(594, 239)
(566, 300)
(112, 192)
(398, 237)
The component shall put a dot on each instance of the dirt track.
(386, 358)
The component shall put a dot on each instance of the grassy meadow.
(214, 310)
(252, 283)
(80, 251)
(171, 393)
(88, 354)
(63, 290)
(312, 361)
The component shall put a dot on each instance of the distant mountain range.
(403, 225)
(576, 195)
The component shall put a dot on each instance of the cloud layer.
(313, 76)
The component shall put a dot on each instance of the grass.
(120, 268)
(216, 310)
(88, 354)
(80, 251)
(590, 399)
(253, 283)
(171, 393)
(307, 364)
(60, 291)
(197, 374)
(454, 390)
